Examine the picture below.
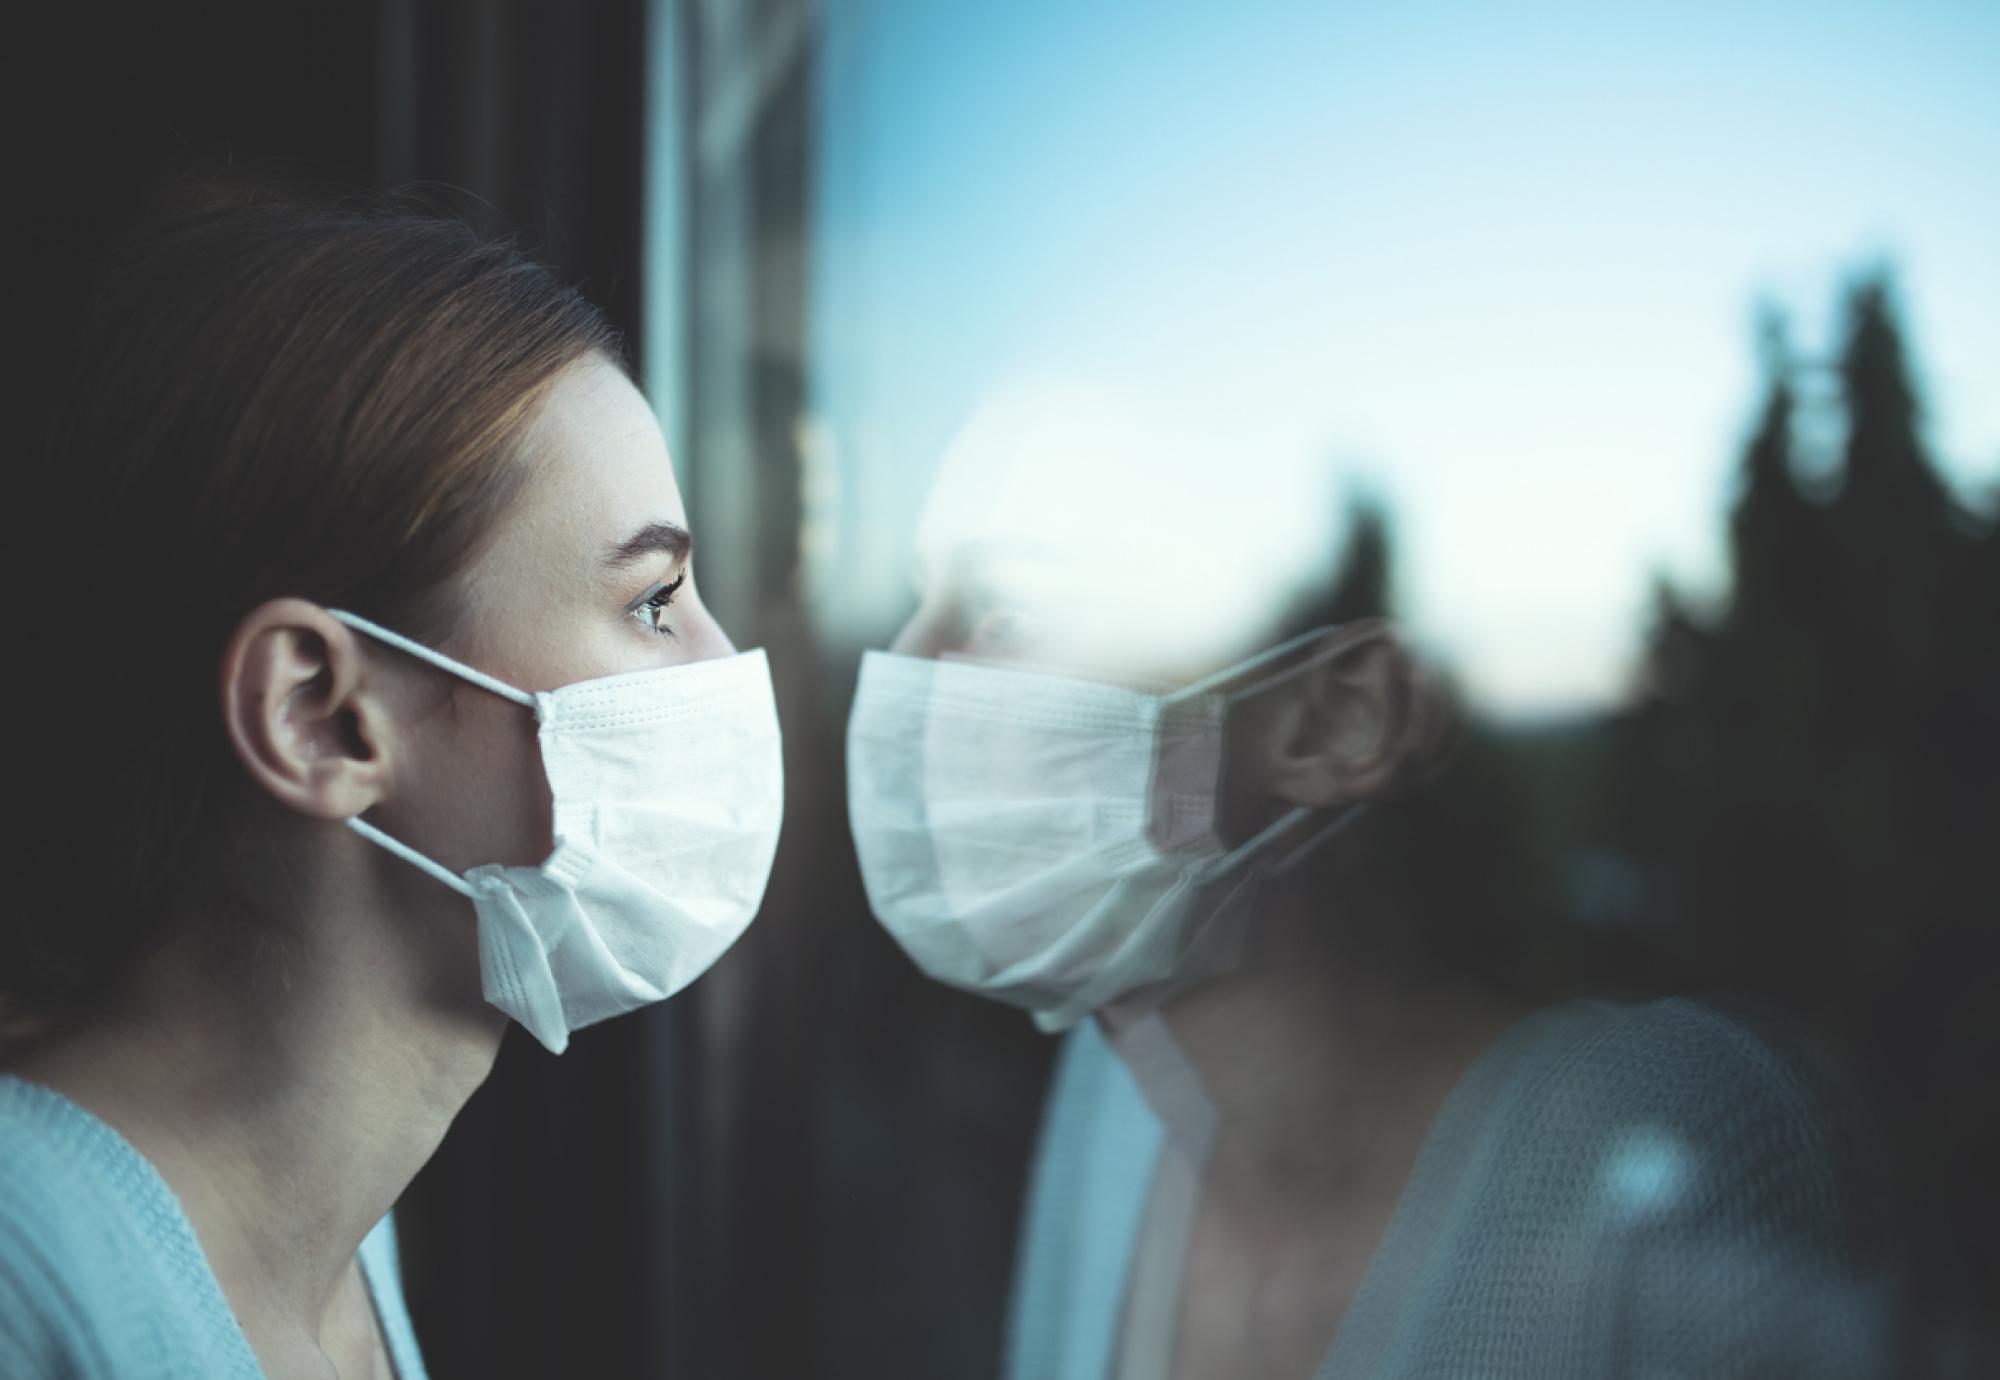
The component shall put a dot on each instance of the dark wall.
(114, 107)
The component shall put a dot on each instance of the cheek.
(487, 791)
(932, 630)
(702, 635)
(1251, 749)
(522, 808)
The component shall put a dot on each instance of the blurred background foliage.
(1794, 807)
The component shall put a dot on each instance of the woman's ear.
(1362, 720)
(299, 712)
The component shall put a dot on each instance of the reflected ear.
(1353, 726)
(299, 710)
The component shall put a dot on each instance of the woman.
(1302, 1127)
(406, 718)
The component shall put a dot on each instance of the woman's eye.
(653, 608)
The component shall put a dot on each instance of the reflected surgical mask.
(1052, 842)
(669, 788)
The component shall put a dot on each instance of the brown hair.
(271, 398)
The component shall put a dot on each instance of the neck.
(287, 1113)
(1300, 1080)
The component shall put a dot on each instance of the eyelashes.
(653, 608)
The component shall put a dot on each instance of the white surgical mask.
(1051, 842)
(668, 788)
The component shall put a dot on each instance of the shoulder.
(382, 1268)
(1671, 1079)
(1667, 1131)
(63, 1238)
(55, 1194)
(101, 1273)
(1698, 1161)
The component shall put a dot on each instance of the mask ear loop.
(1331, 632)
(409, 855)
(457, 668)
(1213, 948)
(437, 659)
(1353, 809)
(1314, 838)
(1337, 637)
(1336, 643)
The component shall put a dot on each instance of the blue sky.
(1499, 262)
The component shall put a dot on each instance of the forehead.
(600, 471)
(1137, 540)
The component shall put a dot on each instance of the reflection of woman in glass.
(1300, 1127)
(380, 708)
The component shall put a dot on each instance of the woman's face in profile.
(589, 574)
(1035, 607)
(1105, 534)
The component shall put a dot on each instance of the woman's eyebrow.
(653, 537)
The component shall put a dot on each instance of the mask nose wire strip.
(1318, 836)
(409, 855)
(438, 659)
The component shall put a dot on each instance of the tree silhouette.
(1809, 781)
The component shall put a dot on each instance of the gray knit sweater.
(1616, 1191)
